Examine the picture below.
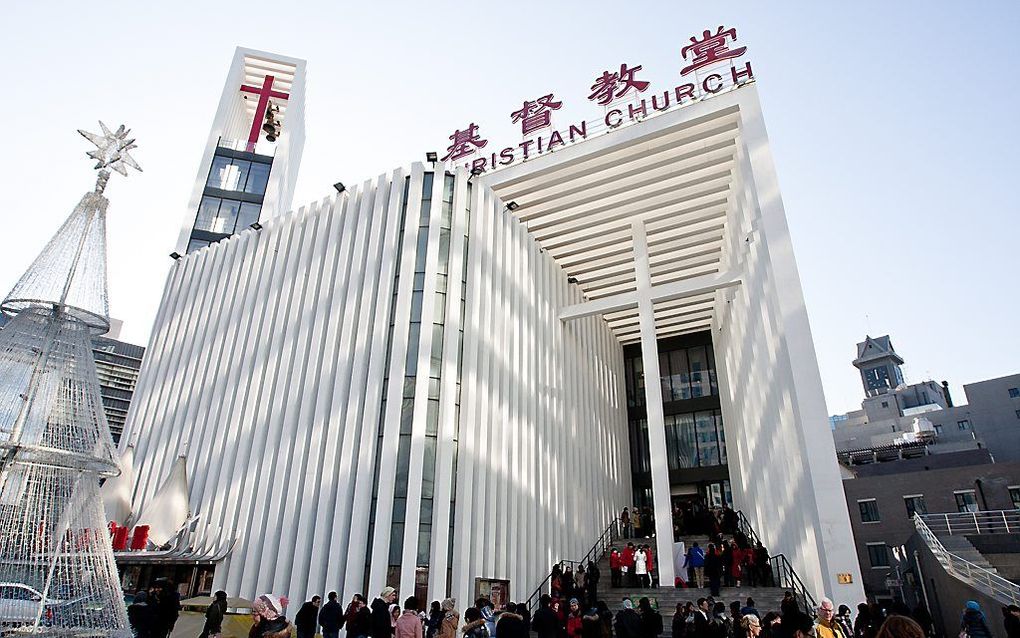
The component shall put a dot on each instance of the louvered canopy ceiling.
(580, 201)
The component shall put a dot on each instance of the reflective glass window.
(258, 178)
(248, 215)
(207, 212)
(698, 364)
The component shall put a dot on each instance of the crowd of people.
(572, 610)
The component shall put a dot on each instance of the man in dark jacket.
(702, 619)
(380, 624)
(307, 619)
(331, 617)
(545, 623)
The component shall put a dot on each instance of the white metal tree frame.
(57, 573)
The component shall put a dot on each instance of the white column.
(653, 406)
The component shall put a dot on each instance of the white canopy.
(169, 508)
(116, 492)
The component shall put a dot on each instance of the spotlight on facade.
(256, 226)
(571, 280)
(476, 171)
(432, 156)
(175, 255)
(512, 206)
(339, 186)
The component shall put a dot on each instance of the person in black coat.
(331, 617)
(511, 624)
(702, 619)
(140, 615)
(381, 624)
(307, 619)
(713, 569)
(651, 620)
(214, 615)
(1010, 619)
(628, 623)
(358, 618)
(545, 623)
(166, 610)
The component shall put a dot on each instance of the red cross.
(264, 94)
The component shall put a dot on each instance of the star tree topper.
(112, 149)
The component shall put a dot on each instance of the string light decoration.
(57, 568)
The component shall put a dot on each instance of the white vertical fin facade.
(377, 389)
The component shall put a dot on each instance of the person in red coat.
(627, 564)
(615, 562)
(737, 563)
(575, 623)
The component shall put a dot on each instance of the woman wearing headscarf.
(269, 621)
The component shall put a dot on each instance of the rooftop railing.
(990, 522)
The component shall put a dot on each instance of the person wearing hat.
(628, 623)
(269, 621)
(380, 624)
(973, 621)
(448, 628)
(575, 623)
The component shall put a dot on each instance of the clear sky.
(894, 128)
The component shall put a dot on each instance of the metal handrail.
(980, 578)
(782, 570)
(986, 522)
(594, 555)
(786, 576)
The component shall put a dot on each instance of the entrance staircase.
(766, 599)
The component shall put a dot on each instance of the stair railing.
(594, 555)
(980, 578)
(781, 569)
(785, 576)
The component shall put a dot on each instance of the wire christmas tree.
(57, 569)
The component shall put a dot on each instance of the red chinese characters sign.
(710, 49)
(535, 115)
(464, 143)
(612, 86)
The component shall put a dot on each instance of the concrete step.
(959, 545)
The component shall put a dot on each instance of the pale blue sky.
(893, 126)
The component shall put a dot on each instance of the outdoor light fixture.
(339, 186)
(432, 156)
(512, 206)
(571, 280)
(175, 255)
(256, 226)
(476, 171)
